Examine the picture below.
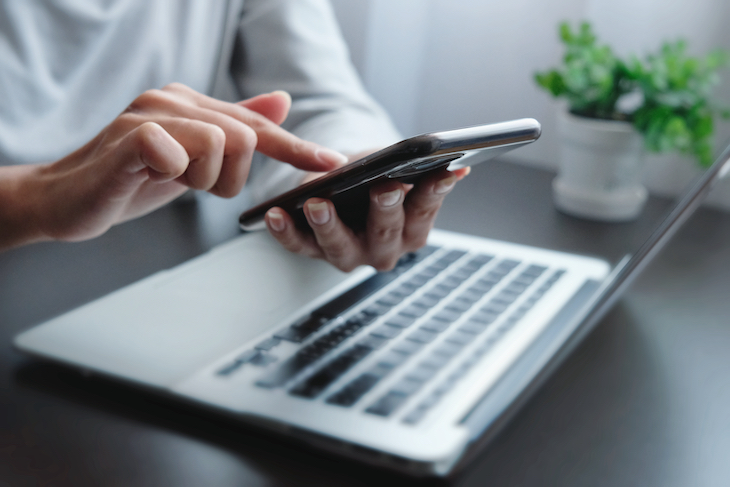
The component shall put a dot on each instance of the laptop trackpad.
(167, 326)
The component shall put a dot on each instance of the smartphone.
(348, 186)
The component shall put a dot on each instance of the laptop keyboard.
(415, 321)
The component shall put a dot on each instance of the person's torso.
(69, 67)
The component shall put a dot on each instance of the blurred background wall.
(440, 64)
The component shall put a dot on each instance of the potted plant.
(616, 110)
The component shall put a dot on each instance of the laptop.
(412, 369)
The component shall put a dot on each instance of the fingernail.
(276, 221)
(319, 213)
(445, 185)
(282, 93)
(391, 198)
(330, 157)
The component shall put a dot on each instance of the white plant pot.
(600, 169)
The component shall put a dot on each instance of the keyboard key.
(515, 287)
(231, 367)
(430, 272)
(459, 305)
(407, 386)
(422, 336)
(399, 320)
(462, 274)
(421, 375)
(494, 307)
(447, 315)
(435, 361)
(377, 309)
(389, 300)
(350, 298)
(392, 359)
(387, 404)
(436, 326)
(309, 354)
(448, 349)
(439, 291)
(352, 392)
(373, 342)
(405, 290)
(315, 384)
(407, 347)
(481, 287)
(414, 311)
(453, 256)
(471, 295)
(473, 327)
(386, 331)
(460, 337)
(451, 282)
(485, 317)
(427, 301)
(504, 299)
(507, 264)
(534, 270)
(301, 330)
(418, 280)
(263, 359)
(268, 344)
(481, 259)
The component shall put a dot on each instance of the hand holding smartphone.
(348, 186)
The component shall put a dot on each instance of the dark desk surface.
(643, 401)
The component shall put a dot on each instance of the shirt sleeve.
(296, 46)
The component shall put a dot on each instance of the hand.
(165, 142)
(399, 220)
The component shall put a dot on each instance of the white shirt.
(69, 67)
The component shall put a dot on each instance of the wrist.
(20, 201)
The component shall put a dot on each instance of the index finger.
(273, 140)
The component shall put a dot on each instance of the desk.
(643, 400)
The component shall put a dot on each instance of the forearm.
(296, 45)
(18, 203)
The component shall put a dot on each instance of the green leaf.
(674, 110)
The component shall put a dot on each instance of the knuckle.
(149, 99)
(126, 122)
(298, 148)
(386, 233)
(176, 87)
(146, 134)
(425, 213)
(243, 140)
(335, 252)
(212, 137)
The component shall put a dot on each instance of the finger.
(204, 144)
(422, 205)
(462, 172)
(274, 106)
(151, 147)
(282, 228)
(338, 243)
(385, 223)
(240, 140)
(273, 140)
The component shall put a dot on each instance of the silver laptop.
(412, 369)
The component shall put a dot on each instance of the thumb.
(274, 106)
